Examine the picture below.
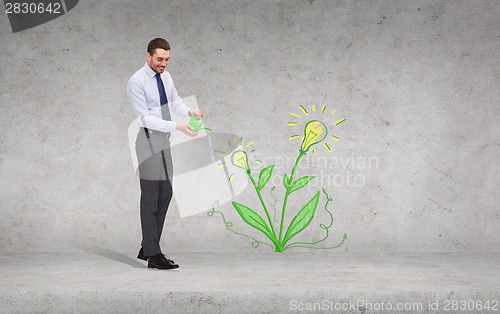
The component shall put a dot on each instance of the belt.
(158, 133)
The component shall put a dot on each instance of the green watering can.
(197, 124)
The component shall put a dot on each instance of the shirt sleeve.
(137, 96)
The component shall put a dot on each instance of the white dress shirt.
(142, 90)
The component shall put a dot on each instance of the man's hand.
(195, 112)
(186, 129)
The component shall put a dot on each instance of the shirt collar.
(149, 71)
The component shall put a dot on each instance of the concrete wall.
(418, 82)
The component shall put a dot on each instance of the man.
(152, 95)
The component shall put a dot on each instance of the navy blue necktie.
(163, 98)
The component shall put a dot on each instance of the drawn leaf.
(300, 183)
(264, 177)
(253, 219)
(286, 182)
(302, 219)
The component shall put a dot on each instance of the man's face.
(158, 61)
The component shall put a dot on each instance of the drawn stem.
(265, 209)
(287, 193)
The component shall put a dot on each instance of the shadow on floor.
(115, 256)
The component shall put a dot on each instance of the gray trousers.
(155, 172)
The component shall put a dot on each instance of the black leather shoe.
(161, 262)
(141, 255)
(145, 258)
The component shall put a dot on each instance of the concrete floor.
(110, 282)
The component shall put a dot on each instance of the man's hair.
(158, 43)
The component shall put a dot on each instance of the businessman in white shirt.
(153, 95)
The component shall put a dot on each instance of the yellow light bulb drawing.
(314, 128)
(240, 159)
(314, 132)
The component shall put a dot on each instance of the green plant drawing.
(315, 132)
